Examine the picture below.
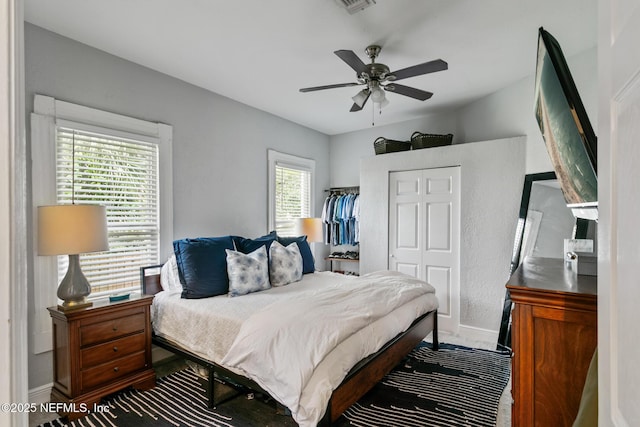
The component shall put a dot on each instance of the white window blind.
(121, 174)
(292, 197)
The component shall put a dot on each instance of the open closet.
(341, 228)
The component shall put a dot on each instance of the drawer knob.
(115, 348)
(115, 328)
(116, 369)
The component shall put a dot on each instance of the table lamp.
(72, 230)
(310, 227)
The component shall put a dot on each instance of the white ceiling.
(260, 52)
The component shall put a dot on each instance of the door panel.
(438, 227)
(410, 269)
(440, 278)
(439, 185)
(408, 186)
(407, 224)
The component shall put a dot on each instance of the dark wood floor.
(247, 409)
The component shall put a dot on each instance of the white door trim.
(13, 219)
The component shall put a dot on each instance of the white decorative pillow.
(169, 276)
(285, 264)
(247, 272)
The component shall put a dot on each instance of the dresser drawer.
(101, 353)
(102, 374)
(111, 329)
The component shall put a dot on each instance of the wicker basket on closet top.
(383, 145)
(427, 140)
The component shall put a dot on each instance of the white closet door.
(424, 233)
(405, 224)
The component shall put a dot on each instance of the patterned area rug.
(455, 386)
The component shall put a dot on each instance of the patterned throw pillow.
(308, 264)
(285, 264)
(247, 272)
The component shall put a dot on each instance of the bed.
(318, 377)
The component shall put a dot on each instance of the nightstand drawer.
(101, 374)
(111, 329)
(105, 352)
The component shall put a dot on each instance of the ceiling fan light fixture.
(377, 94)
(361, 97)
(383, 103)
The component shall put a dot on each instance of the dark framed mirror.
(544, 221)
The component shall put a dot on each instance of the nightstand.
(100, 350)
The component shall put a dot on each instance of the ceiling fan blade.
(351, 59)
(356, 107)
(408, 91)
(424, 68)
(311, 89)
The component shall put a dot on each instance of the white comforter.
(308, 329)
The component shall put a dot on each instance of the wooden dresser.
(554, 336)
(100, 350)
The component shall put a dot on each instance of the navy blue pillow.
(202, 266)
(308, 265)
(246, 246)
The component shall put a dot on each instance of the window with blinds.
(292, 197)
(121, 174)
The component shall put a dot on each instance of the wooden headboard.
(150, 279)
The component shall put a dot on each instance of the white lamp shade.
(72, 229)
(360, 98)
(310, 227)
(377, 94)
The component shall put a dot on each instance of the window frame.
(76, 137)
(294, 162)
(47, 115)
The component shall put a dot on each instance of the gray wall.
(219, 145)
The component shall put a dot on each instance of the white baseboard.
(469, 336)
(478, 334)
(40, 394)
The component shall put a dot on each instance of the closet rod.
(352, 189)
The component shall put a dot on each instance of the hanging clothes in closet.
(341, 218)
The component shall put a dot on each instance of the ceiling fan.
(377, 76)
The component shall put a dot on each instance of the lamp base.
(74, 287)
(74, 305)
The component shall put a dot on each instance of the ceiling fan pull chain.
(373, 114)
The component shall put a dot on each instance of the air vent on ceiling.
(353, 6)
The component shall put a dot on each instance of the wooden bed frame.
(362, 377)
